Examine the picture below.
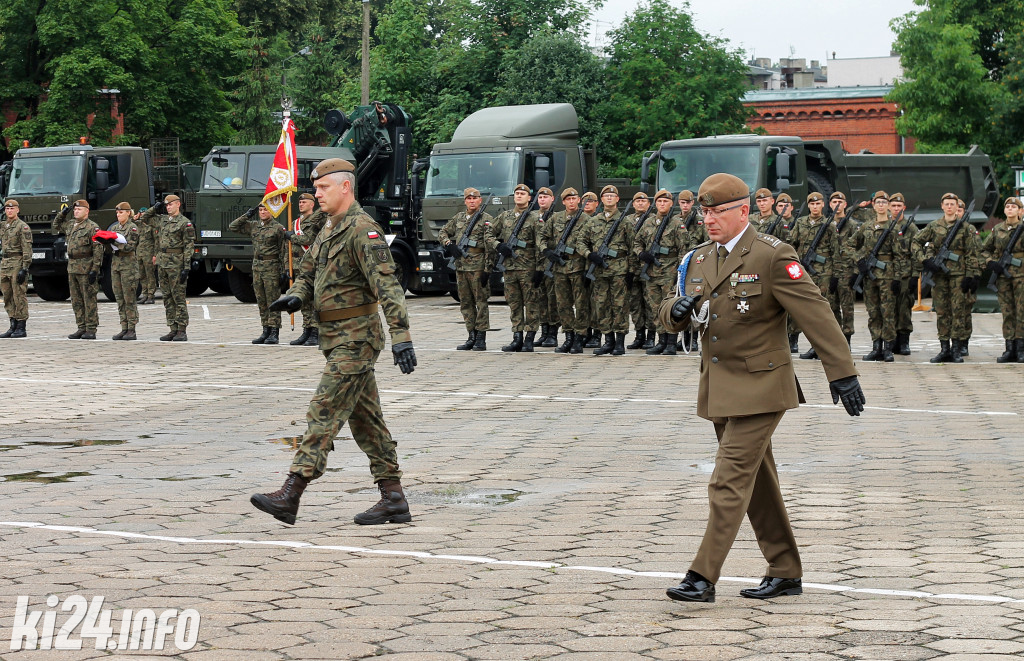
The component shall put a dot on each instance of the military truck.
(44, 180)
(799, 167)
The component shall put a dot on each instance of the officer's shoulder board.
(702, 245)
(773, 241)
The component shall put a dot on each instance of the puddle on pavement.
(41, 477)
(451, 495)
(186, 478)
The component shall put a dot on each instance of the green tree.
(316, 84)
(665, 80)
(256, 96)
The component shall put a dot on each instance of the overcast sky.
(813, 29)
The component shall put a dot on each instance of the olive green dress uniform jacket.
(745, 348)
(479, 255)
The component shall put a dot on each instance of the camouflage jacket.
(675, 242)
(905, 239)
(964, 254)
(84, 254)
(175, 239)
(633, 220)
(698, 234)
(268, 242)
(479, 256)
(760, 222)
(896, 264)
(801, 236)
(552, 233)
(348, 266)
(845, 264)
(501, 229)
(308, 228)
(995, 245)
(147, 240)
(16, 244)
(123, 259)
(619, 247)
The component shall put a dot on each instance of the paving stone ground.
(554, 500)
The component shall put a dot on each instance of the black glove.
(646, 256)
(485, 279)
(863, 266)
(453, 250)
(595, 258)
(286, 304)
(289, 234)
(897, 287)
(251, 212)
(851, 281)
(285, 284)
(551, 254)
(21, 277)
(92, 277)
(848, 390)
(183, 278)
(629, 280)
(912, 283)
(159, 207)
(833, 285)
(969, 284)
(538, 277)
(997, 268)
(504, 249)
(405, 357)
(682, 308)
(932, 265)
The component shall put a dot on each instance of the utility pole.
(366, 54)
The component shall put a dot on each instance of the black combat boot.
(169, 336)
(794, 344)
(77, 335)
(1019, 344)
(903, 340)
(848, 336)
(649, 340)
(638, 341)
(480, 343)
(120, 336)
(300, 340)
(620, 344)
(609, 344)
(314, 338)
(543, 335)
(887, 351)
(528, 342)
(956, 351)
(593, 339)
(660, 347)
(283, 504)
(964, 351)
(876, 351)
(943, 355)
(89, 335)
(19, 329)
(552, 339)
(391, 508)
(516, 344)
(262, 339)
(130, 335)
(274, 336)
(468, 344)
(577, 344)
(565, 346)
(180, 336)
(1010, 355)
(810, 354)
(670, 344)
(10, 330)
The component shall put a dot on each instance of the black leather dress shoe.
(693, 588)
(773, 586)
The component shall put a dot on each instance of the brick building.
(859, 116)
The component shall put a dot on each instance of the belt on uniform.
(475, 251)
(348, 313)
(170, 250)
(81, 255)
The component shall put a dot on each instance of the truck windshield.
(224, 171)
(47, 175)
(450, 174)
(686, 168)
(259, 171)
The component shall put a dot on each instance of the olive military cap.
(589, 195)
(609, 189)
(784, 197)
(123, 206)
(686, 195)
(880, 194)
(569, 192)
(83, 203)
(837, 195)
(722, 188)
(544, 190)
(13, 203)
(815, 197)
(308, 196)
(330, 166)
(522, 187)
(663, 193)
(762, 193)
(640, 196)
(897, 197)
(471, 192)
(950, 196)
(170, 198)
(1009, 200)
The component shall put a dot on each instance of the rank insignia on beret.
(794, 270)
(747, 277)
(372, 234)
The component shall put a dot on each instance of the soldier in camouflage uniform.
(472, 268)
(146, 255)
(880, 292)
(801, 237)
(951, 295)
(521, 275)
(85, 257)
(349, 274)
(841, 296)
(639, 308)
(697, 234)
(124, 270)
(661, 265)
(1009, 279)
(270, 243)
(570, 291)
(784, 214)
(972, 297)
(609, 284)
(16, 246)
(175, 243)
(549, 321)
(765, 213)
(593, 337)
(908, 288)
(306, 226)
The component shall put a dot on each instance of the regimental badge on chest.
(743, 306)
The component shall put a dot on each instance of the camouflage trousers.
(573, 301)
(523, 300)
(147, 272)
(83, 301)
(904, 309)
(175, 306)
(639, 306)
(656, 290)
(952, 308)
(347, 396)
(548, 303)
(611, 303)
(308, 314)
(125, 285)
(15, 295)
(473, 300)
(843, 301)
(881, 305)
(267, 285)
(1011, 304)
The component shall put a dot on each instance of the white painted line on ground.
(476, 559)
(463, 393)
(206, 312)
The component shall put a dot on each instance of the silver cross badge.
(743, 307)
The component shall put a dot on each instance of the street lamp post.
(366, 54)
(287, 103)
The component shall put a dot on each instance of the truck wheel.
(454, 293)
(241, 286)
(218, 282)
(196, 283)
(106, 283)
(403, 266)
(817, 183)
(51, 287)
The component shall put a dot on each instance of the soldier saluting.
(175, 242)
(85, 257)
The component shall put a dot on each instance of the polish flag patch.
(372, 234)
(794, 270)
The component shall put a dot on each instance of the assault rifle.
(775, 223)
(464, 240)
(656, 247)
(872, 257)
(1007, 259)
(560, 247)
(811, 257)
(641, 218)
(943, 253)
(603, 250)
(513, 238)
(849, 214)
(690, 219)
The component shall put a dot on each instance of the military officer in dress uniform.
(739, 288)
(472, 267)
(85, 257)
(16, 245)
